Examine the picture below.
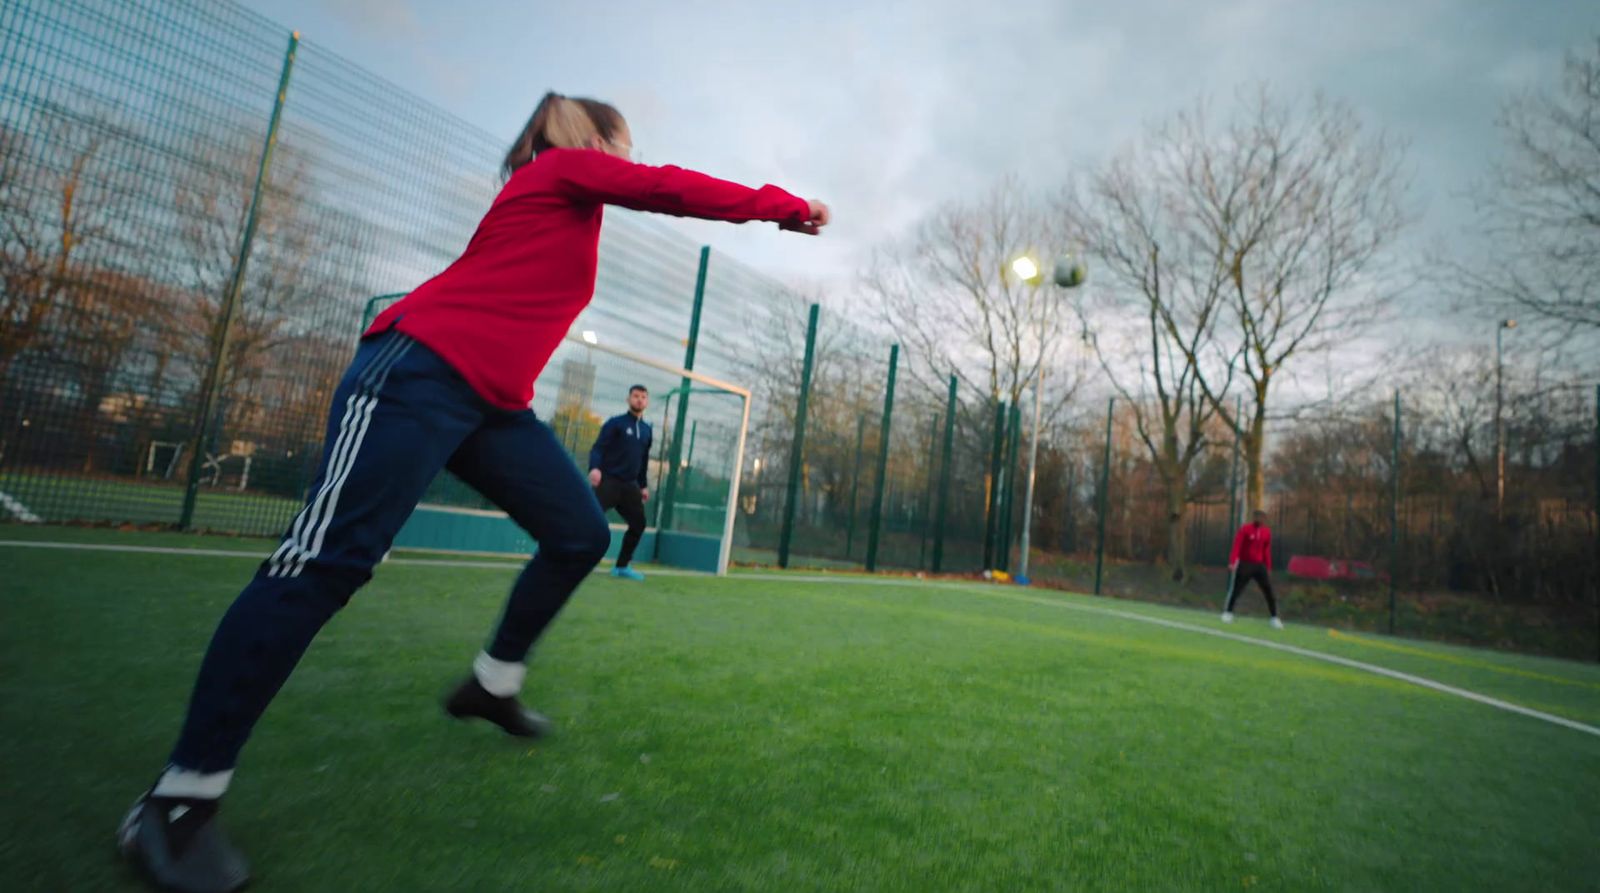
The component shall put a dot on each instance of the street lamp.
(749, 503)
(1068, 273)
(1499, 421)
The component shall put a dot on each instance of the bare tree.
(58, 200)
(950, 298)
(845, 370)
(79, 300)
(298, 265)
(1456, 390)
(1339, 467)
(1158, 267)
(1540, 211)
(1299, 206)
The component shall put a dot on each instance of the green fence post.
(675, 448)
(1597, 522)
(875, 527)
(991, 516)
(666, 432)
(797, 449)
(855, 481)
(230, 301)
(944, 478)
(1105, 500)
(1394, 512)
(1013, 443)
(927, 492)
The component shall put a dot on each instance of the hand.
(644, 494)
(818, 216)
(1233, 566)
(594, 478)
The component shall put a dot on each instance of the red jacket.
(501, 310)
(1252, 545)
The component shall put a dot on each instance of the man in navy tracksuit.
(619, 463)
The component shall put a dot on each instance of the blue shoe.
(627, 573)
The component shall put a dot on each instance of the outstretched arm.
(596, 176)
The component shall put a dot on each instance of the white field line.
(975, 589)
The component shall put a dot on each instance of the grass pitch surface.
(749, 733)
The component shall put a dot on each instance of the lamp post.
(1499, 421)
(1068, 274)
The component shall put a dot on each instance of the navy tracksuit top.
(623, 449)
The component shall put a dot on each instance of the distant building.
(576, 394)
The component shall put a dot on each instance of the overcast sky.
(886, 109)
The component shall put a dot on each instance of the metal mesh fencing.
(197, 207)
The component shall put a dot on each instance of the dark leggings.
(628, 499)
(1251, 571)
(398, 417)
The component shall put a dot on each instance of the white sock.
(177, 782)
(499, 677)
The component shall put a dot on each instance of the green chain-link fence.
(178, 303)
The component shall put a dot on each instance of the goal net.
(698, 440)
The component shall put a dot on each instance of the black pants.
(400, 414)
(1250, 571)
(628, 500)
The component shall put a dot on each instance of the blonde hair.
(561, 122)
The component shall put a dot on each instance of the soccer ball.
(1070, 272)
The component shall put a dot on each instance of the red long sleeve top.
(499, 312)
(1253, 545)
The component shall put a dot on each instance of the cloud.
(889, 108)
(377, 19)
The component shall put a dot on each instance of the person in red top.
(442, 379)
(1251, 559)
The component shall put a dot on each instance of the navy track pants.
(399, 415)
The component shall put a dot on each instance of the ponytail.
(564, 123)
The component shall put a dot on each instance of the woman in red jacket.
(442, 379)
(1251, 559)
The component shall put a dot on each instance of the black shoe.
(178, 844)
(470, 699)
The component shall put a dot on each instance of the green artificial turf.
(752, 733)
(123, 501)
